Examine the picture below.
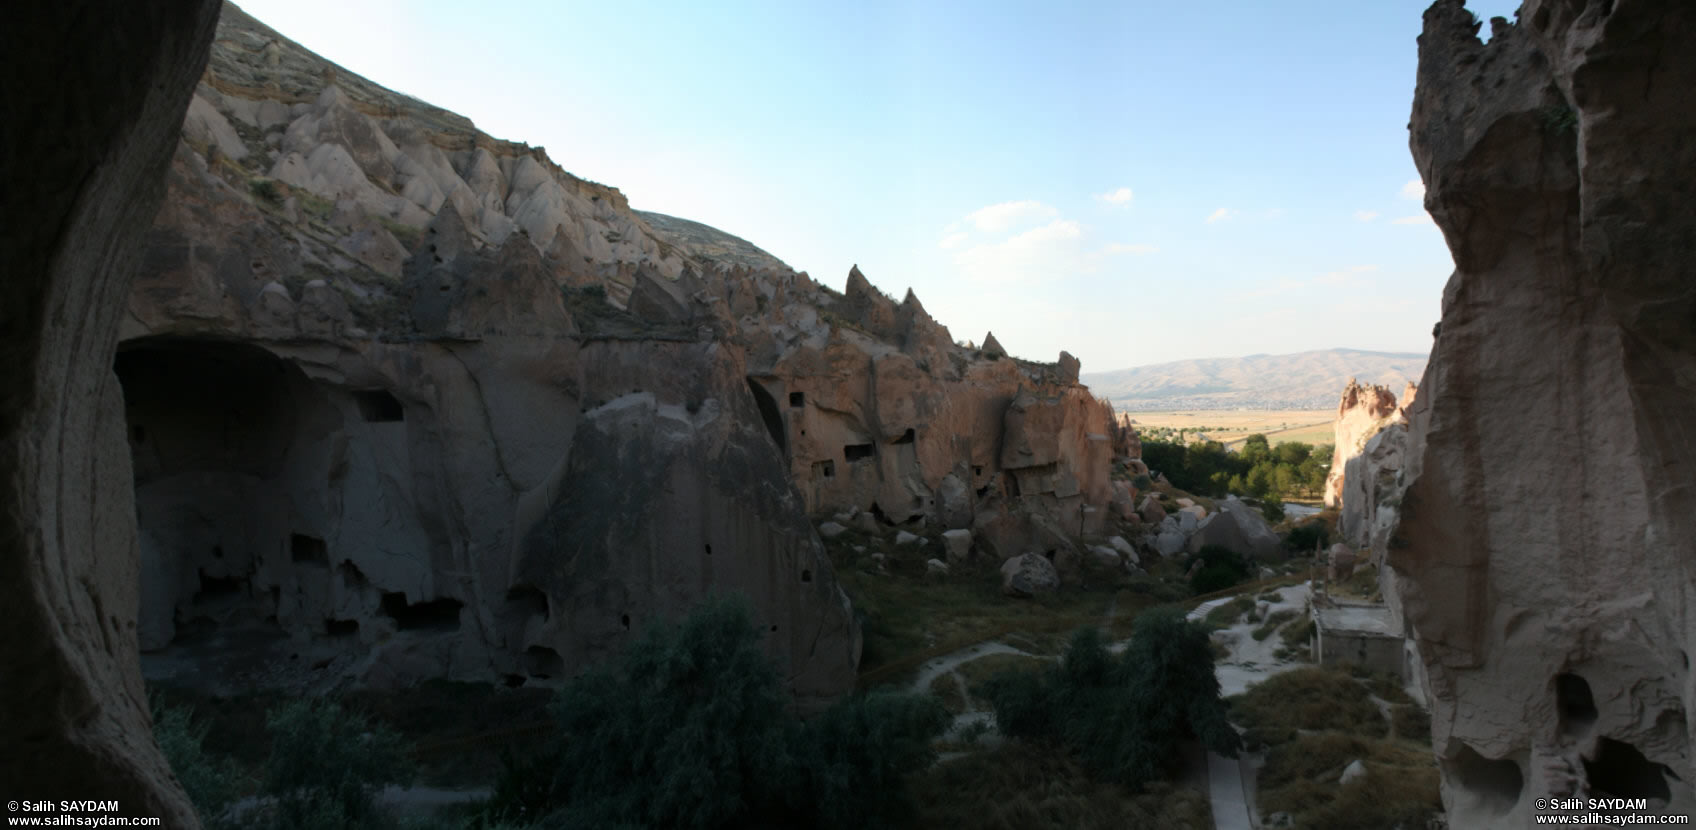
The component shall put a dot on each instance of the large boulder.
(1237, 527)
(1027, 575)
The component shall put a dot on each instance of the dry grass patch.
(1400, 787)
(1309, 698)
(1021, 786)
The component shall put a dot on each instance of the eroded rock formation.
(1543, 552)
(93, 95)
(1361, 413)
(409, 401)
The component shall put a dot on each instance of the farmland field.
(1231, 426)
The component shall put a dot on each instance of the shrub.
(1221, 568)
(1123, 717)
(1411, 723)
(266, 189)
(327, 766)
(1308, 698)
(690, 727)
(1306, 538)
(211, 783)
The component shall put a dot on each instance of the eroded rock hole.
(440, 614)
(907, 437)
(378, 406)
(625, 621)
(806, 576)
(769, 414)
(527, 601)
(797, 400)
(1620, 771)
(824, 469)
(1574, 701)
(341, 628)
(1496, 784)
(305, 549)
(543, 663)
(857, 452)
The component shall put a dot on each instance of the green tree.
(1255, 449)
(1123, 717)
(689, 727)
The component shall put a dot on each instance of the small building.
(1363, 634)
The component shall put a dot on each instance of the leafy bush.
(1123, 717)
(689, 727)
(211, 783)
(327, 766)
(266, 189)
(1307, 538)
(1221, 568)
(1411, 723)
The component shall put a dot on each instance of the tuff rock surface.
(1362, 412)
(412, 401)
(93, 95)
(1542, 552)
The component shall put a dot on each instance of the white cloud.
(1416, 219)
(1220, 215)
(1275, 213)
(1116, 197)
(952, 240)
(1122, 248)
(1414, 189)
(1054, 249)
(1365, 215)
(1006, 215)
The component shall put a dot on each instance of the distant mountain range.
(1305, 380)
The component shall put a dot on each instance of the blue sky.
(1135, 182)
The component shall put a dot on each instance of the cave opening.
(857, 452)
(1577, 706)
(308, 549)
(379, 406)
(440, 614)
(907, 437)
(1495, 784)
(543, 663)
(770, 414)
(1619, 770)
(824, 469)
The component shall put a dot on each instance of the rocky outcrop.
(95, 93)
(1542, 553)
(1361, 414)
(431, 406)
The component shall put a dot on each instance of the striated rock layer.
(409, 401)
(1543, 556)
(92, 96)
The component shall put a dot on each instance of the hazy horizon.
(1119, 181)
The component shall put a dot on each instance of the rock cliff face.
(1361, 414)
(409, 401)
(1543, 552)
(82, 182)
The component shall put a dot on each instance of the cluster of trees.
(1124, 717)
(690, 727)
(1258, 470)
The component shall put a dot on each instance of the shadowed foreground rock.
(92, 96)
(1543, 556)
